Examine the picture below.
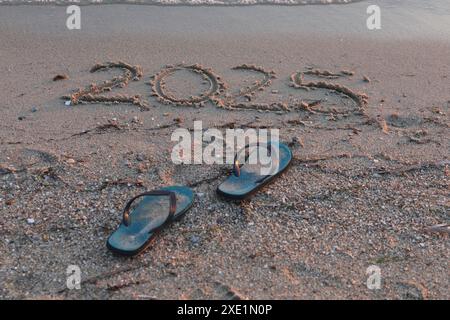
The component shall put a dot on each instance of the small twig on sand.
(100, 129)
(108, 274)
(417, 167)
(325, 157)
(438, 228)
(5, 169)
(121, 182)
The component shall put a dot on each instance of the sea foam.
(184, 2)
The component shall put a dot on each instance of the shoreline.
(413, 23)
(156, 3)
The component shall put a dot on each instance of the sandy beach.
(368, 185)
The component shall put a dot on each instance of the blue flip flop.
(248, 178)
(155, 211)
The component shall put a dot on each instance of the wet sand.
(366, 187)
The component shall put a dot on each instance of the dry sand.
(365, 185)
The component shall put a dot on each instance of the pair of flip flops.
(158, 209)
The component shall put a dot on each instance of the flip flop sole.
(135, 238)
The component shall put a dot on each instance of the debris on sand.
(296, 142)
(121, 285)
(5, 169)
(178, 120)
(443, 228)
(46, 172)
(437, 110)
(60, 77)
(227, 293)
(416, 167)
(415, 139)
(111, 125)
(366, 79)
(122, 182)
(71, 161)
(383, 125)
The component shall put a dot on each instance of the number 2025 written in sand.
(217, 91)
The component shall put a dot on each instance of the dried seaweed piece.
(59, 77)
(122, 182)
(439, 228)
(5, 169)
(101, 128)
(417, 167)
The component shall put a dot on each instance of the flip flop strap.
(172, 208)
(236, 167)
